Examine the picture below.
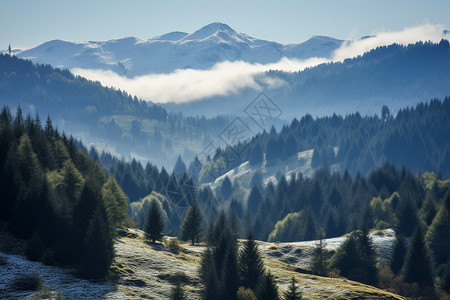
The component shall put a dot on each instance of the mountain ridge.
(201, 49)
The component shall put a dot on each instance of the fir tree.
(154, 225)
(191, 228)
(251, 265)
(293, 293)
(229, 281)
(267, 289)
(368, 257)
(347, 258)
(319, 264)
(98, 249)
(398, 254)
(208, 276)
(417, 267)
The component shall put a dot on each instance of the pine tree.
(229, 281)
(208, 276)
(191, 228)
(293, 293)
(417, 267)
(347, 258)
(368, 257)
(319, 264)
(398, 254)
(115, 201)
(98, 249)
(267, 289)
(178, 292)
(154, 225)
(226, 188)
(250, 264)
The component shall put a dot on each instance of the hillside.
(106, 118)
(143, 271)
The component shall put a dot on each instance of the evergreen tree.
(256, 155)
(293, 293)
(437, 237)
(347, 258)
(191, 228)
(368, 257)
(229, 281)
(407, 217)
(254, 199)
(208, 276)
(180, 167)
(251, 265)
(226, 188)
(398, 254)
(319, 264)
(154, 224)
(98, 249)
(417, 267)
(115, 201)
(267, 289)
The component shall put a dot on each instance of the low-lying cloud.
(226, 78)
(406, 36)
(185, 85)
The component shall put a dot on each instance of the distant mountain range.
(397, 76)
(201, 49)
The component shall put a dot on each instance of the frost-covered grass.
(143, 270)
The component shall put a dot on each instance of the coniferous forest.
(109, 196)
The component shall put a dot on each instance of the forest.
(363, 142)
(56, 197)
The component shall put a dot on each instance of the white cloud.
(426, 32)
(185, 85)
(225, 78)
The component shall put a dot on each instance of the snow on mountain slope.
(202, 49)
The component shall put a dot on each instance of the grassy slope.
(145, 271)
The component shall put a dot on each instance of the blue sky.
(26, 23)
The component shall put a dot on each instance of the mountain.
(106, 118)
(395, 75)
(201, 49)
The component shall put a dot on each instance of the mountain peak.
(209, 30)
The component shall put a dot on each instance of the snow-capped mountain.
(201, 49)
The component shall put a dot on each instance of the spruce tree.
(417, 267)
(208, 276)
(251, 265)
(398, 254)
(154, 225)
(229, 279)
(98, 248)
(347, 258)
(319, 263)
(293, 293)
(368, 257)
(191, 228)
(267, 289)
